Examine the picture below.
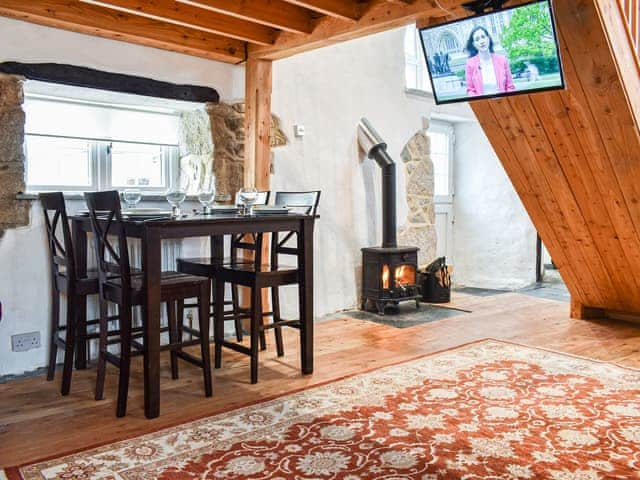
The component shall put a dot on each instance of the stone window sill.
(79, 196)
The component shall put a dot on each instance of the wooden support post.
(257, 147)
(580, 311)
(257, 123)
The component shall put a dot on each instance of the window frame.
(100, 168)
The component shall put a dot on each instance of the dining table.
(153, 231)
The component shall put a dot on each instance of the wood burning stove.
(388, 272)
(389, 276)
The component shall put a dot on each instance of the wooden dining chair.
(117, 284)
(259, 275)
(242, 250)
(65, 281)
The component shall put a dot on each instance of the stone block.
(12, 135)
(14, 213)
(11, 92)
(12, 180)
(420, 180)
(423, 237)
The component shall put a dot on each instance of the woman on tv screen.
(486, 72)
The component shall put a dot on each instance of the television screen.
(504, 52)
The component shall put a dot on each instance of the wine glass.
(175, 199)
(248, 196)
(131, 197)
(205, 197)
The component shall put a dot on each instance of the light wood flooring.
(36, 422)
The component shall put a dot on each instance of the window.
(417, 77)
(441, 139)
(74, 146)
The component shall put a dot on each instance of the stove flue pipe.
(372, 144)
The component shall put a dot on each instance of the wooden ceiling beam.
(273, 13)
(92, 20)
(192, 17)
(349, 10)
(380, 16)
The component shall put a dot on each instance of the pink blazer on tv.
(474, 75)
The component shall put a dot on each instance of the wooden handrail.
(631, 11)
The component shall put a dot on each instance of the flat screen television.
(505, 52)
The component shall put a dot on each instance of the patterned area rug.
(489, 410)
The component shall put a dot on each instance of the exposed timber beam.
(349, 10)
(113, 82)
(258, 85)
(92, 20)
(192, 17)
(273, 13)
(381, 15)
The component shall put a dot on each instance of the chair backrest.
(263, 198)
(301, 202)
(106, 223)
(249, 241)
(61, 252)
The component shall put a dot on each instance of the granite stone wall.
(13, 212)
(227, 129)
(420, 230)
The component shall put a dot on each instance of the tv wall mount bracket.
(481, 6)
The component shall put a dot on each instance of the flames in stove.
(404, 275)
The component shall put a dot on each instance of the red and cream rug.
(489, 410)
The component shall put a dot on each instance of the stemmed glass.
(131, 197)
(175, 199)
(205, 197)
(248, 196)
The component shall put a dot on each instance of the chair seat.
(173, 285)
(205, 266)
(84, 286)
(260, 276)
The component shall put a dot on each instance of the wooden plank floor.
(36, 422)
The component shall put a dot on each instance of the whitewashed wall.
(327, 91)
(24, 278)
(494, 239)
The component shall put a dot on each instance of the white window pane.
(410, 42)
(441, 174)
(137, 165)
(439, 143)
(410, 72)
(58, 162)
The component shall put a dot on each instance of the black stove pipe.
(371, 142)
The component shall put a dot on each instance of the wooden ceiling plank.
(349, 10)
(188, 16)
(533, 202)
(273, 13)
(379, 15)
(91, 20)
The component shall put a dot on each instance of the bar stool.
(64, 280)
(118, 285)
(242, 249)
(256, 276)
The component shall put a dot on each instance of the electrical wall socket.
(25, 341)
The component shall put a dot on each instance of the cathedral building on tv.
(450, 42)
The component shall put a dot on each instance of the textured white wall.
(327, 91)
(24, 278)
(494, 239)
(29, 43)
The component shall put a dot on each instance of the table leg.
(305, 264)
(151, 258)
(80, 246)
